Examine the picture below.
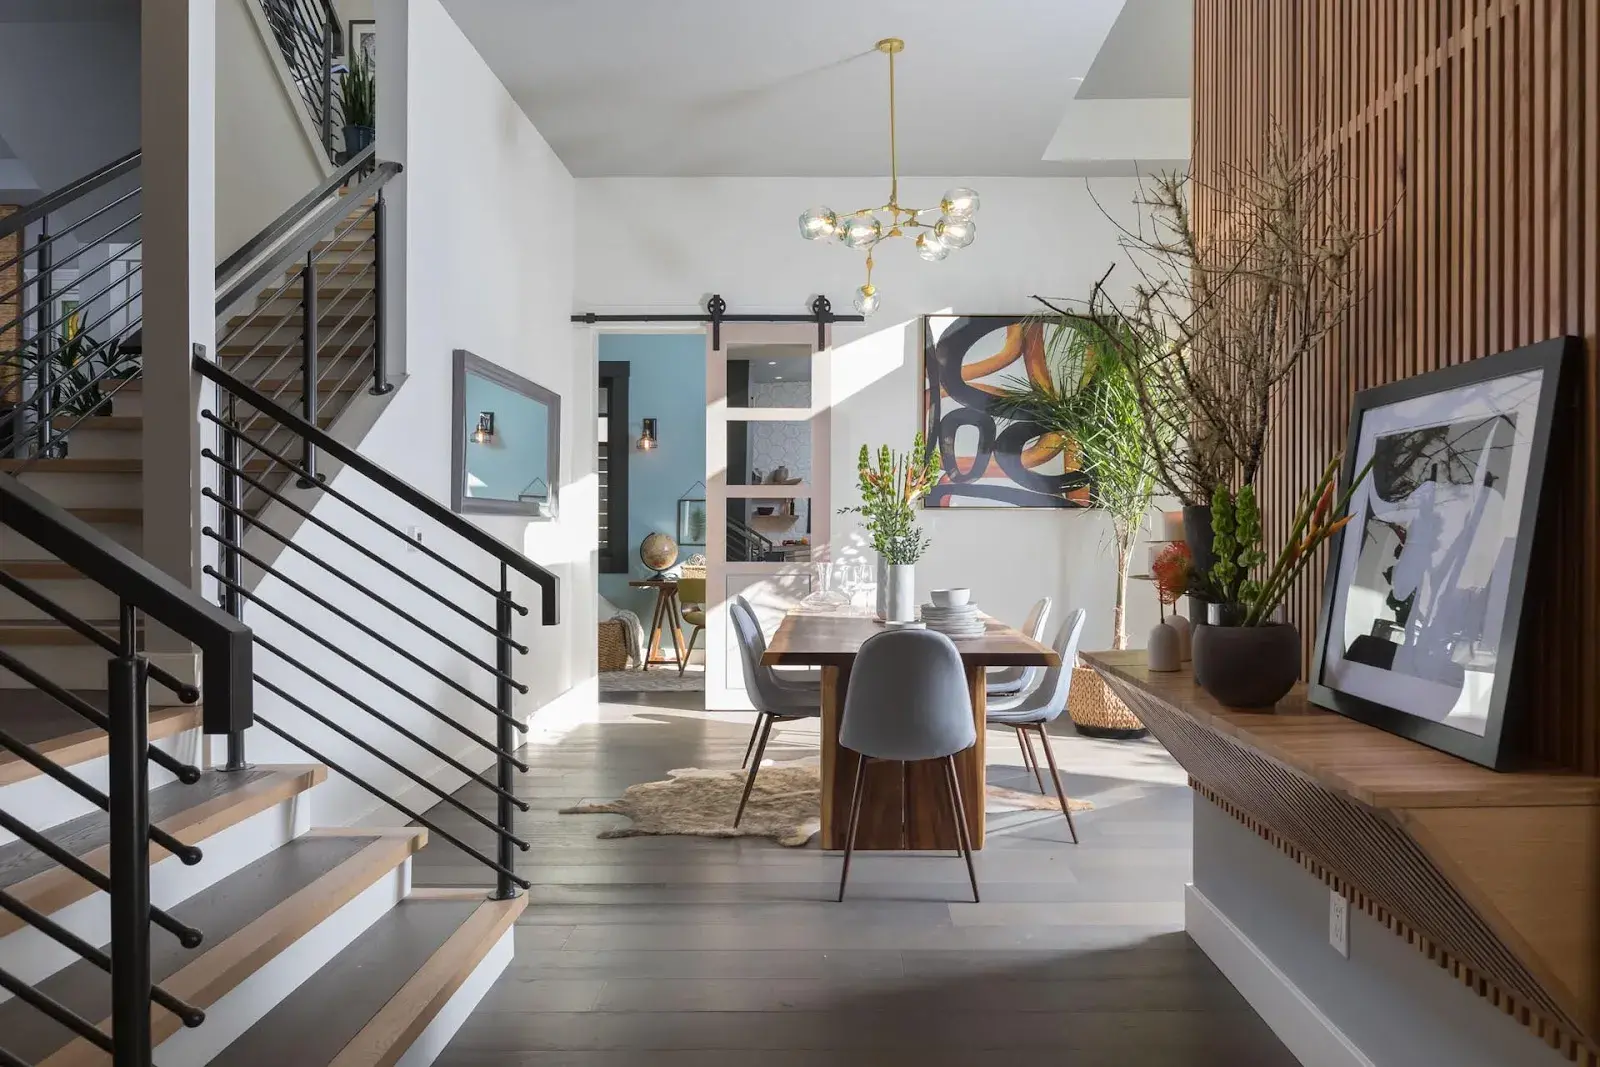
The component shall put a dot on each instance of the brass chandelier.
(935, 237)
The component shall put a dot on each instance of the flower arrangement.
(1171, 571)
(889, 493)
(1237, 545)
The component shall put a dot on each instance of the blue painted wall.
(503, 468)
(666, 382)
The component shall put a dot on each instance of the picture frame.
(1006, 469)
(361, 42)
(1421, 626)
(693, 524)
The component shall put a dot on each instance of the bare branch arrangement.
(1217, 321)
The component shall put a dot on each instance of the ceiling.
(766, 88)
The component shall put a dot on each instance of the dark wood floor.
(686, 952)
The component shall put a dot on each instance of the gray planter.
(1247, 666)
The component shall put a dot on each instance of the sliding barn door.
(767, 448)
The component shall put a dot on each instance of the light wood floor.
(686, 952)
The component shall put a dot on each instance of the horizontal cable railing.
(142, 592)
(71, 344)
(308, 36)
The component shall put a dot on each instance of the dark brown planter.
(1247, 666)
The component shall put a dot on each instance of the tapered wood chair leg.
(854, 820)
(755, 732)
(1055, 776)
(953, 784)
(1030, 758)
(755, 766)
(684, 664)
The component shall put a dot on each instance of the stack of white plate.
(961, 620)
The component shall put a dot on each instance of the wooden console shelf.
(1495, 875)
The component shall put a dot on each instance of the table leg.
(654, 640)
(675, 609)
(879, 825)
(932, 827)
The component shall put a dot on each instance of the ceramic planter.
(901, 603)
(1247, 666)
(1197, 534)
(882, 606)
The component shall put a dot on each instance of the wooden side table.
(668, 613)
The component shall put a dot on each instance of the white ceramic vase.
(901, 603)
(1185, 636)
(1162, 651)
(883, 589)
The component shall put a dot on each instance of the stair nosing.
(81, 746)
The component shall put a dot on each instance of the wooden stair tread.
(247, 918)
(122, 423)
(190, 812)
(71, 465)
(367, 1005)
(47, 632)
(38, 720)
(39, 569)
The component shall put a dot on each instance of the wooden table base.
(667, 617)
(905, 806)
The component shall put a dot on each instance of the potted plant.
(358, 99)
(1244, 656)
(889, 492)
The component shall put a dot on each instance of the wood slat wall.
(1473, 127)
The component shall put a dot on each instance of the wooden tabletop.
(1373, 766)
(654, 583)
(833, 641)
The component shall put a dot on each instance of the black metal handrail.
(69, 364)
(142, 592)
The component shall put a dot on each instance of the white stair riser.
(32, 956)
(127, 401)
(437, 1034)
(41, 802)
(85, 599)
(87, 442)
(87, 490)
(244, 1006)
(14, 546)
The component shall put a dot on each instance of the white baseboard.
(1309, 1034)
(433, 1039)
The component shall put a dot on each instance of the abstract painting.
(985, 459)
(1425, 587)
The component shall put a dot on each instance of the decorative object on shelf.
(862, 230)
(1162, 650)
(647, 435)
(1168, 641)
(692, 525)
(1424, 602)
(358, 101)
(889, 493)
(658, 552)
(1014, 462)
(1185, 636)
(1085, 399)
(1243, 656)
(506, 441)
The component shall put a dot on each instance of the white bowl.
(950, 598)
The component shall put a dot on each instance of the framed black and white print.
(1426, 584)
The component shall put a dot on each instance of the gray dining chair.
(776, 699)
(908, 701)
(1009, 681)
(1033, 711)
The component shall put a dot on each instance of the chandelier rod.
(894, 158)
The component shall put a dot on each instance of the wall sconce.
(485, 431)
(647, 436)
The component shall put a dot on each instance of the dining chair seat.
(775, 699)
(1030, 712)
(1009, 681)
(908, 701)
(692, 595)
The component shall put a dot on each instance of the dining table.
(904, 806)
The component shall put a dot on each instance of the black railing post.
(327, 89)
(308, 365)
(44, 276)
(128, 790)
(506, 740)
(380, 368)
(232, 535)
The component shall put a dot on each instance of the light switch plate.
(1339, 923)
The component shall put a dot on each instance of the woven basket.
(1098, 712)
(613, 645)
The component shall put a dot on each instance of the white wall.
(267, 155)
(664, 244)
(488, 254)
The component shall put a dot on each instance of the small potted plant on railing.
(1244, 656)
(358, 96)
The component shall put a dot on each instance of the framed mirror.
(507, 442)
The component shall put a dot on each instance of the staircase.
(237, 930)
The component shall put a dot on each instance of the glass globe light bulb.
(866, 301)
(818, 223)
(960, 202)
(930, 249)
(955, 233)
(862, 231)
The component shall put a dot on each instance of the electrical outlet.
(414, 535)
(1339, 923)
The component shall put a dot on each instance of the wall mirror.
(507, 434)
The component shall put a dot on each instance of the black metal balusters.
(308, 366)
(380, 368)
(44, 277)
(506, 741)
(232, 602)
(129, 794)
(326, 70)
